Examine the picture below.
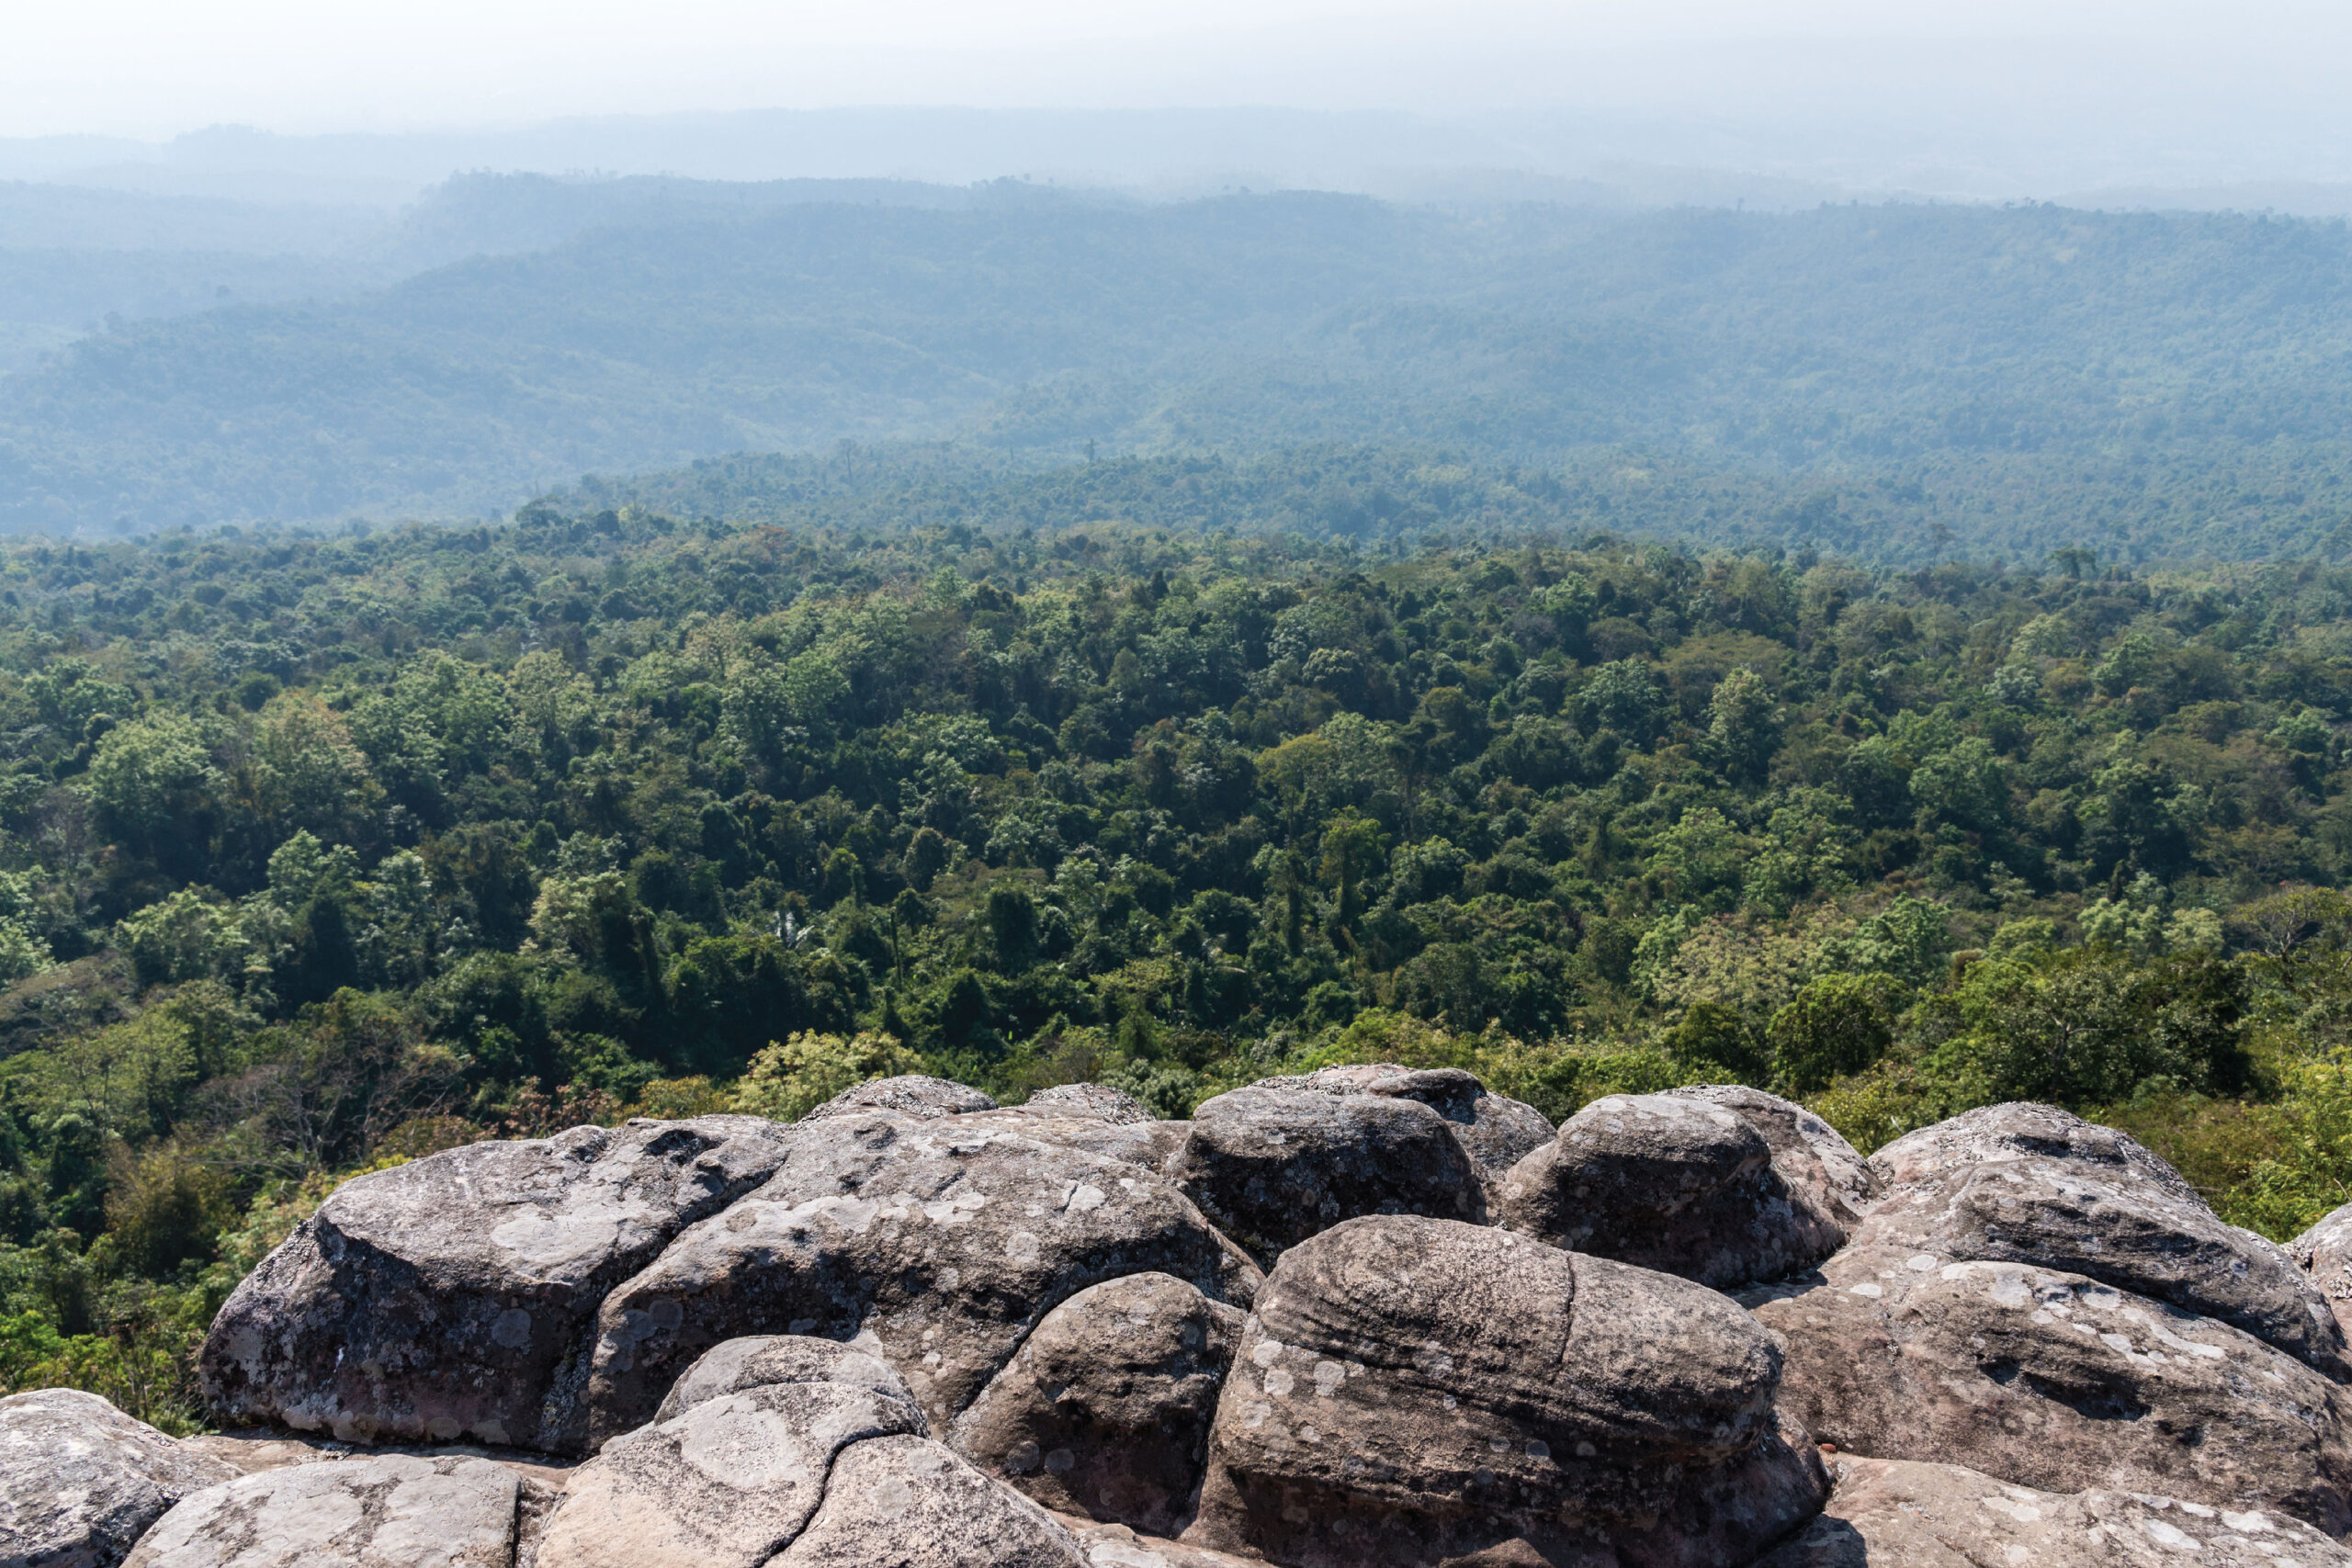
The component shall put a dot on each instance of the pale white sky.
(150, 68)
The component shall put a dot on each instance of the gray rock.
(81, 1482)
(1496, 1130)
(396, 1511)
(2052, 1380)
(2032, 1184)
(1105, 1413)
(1088, 1099)
(2325, 1254)
(1819, 1165)
(910, 1094)
(1118, 1546)
(909, 1503)
(735, 1466)
(455, 1296)
(1151, 1144)
(938, 1244)
(1273, 1167)
(1673, 1183)
(1894, 1514)
(1416, 1391)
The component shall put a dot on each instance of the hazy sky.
(2268, 70)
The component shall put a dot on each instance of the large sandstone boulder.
(908, 1094)
(2052, 1380)
(1152, 1144)
(1821, 1169)
(1086, 1099)
(1105, 1413)
(396, 1511)
(1496, 1130)
(1682, 1185)
(938, 1245)
(1893, 1514)
(735, 1465)
(456, 1295)
(2325, 1254)
(2032, 1184)
(1273, 1167)
(81, 1482)
(909, 1503)
(1414, 1391)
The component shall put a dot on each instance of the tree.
(1838, 1024)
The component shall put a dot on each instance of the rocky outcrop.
(1414, 1391)
(1495, 1130)
(909, 1503)
(1821, 1169)
(1273, 1167)
(397, 1511)
(2324, 1255)
(2052, 1380)
(908, 1094)
(2032, 1184)
(1086, 1099)
(1683, 1185)
(1104, 1412)
(736, 1464)
(1153, 1145)
(455, 1296)
(1892, 1514)
(938, 1245)
(81, 1482)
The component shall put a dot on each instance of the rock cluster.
(1369, 1317)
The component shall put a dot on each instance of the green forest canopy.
(328, 850)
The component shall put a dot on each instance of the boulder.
(1273, 1167)
(81, 1482)
(1820, 1167)
(456, 1295)
(1414, 1391)
(1152, 1144)
(1088, 1099)
(1673, 1183)
(2032, 1184)
(1896, 1514)
(909, 1503)
(1105, 1413)
(1496, 1130)
(2324, 1255)
(2052, 1380)
(1117, 1546)
(908, 1094)
(940, 1245)
(394, 1511)
(734, 1466)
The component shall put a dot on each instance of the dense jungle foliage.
(327, 851)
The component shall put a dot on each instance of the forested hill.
(319, 852)
(2191, 368)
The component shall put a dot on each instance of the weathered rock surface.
(1418, 1391)
(1496, 1130)
(2052, 1380)
(1086, 1099)
(397, 1511)
(1118, 1546)
(1819, 1165)
(908, 1094)
(455, 1296)
(1151, 1144)
(1104, 1412)
(2032, 1184)
(909, 1503)
(1892, 1514)
(735, 1466)
(938, 1244)
(1677, 1184)
(2325, 1254)
(81, 1482)
(1273, 1167)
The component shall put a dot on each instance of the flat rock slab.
(81, 1482)
(2032, 1184)
(1274, 1167)
(1495, 1130)
(937, 1245)
(911, 1503)
(254, 1449)
(397, 1511)
(908, 1094)
(1088, 1099)
(1152, 1144)
(1893, 1514)
(1422, 1391)
(455, 1296)
(1682, 1185)
(2051, 1380)
(1104, 1412)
